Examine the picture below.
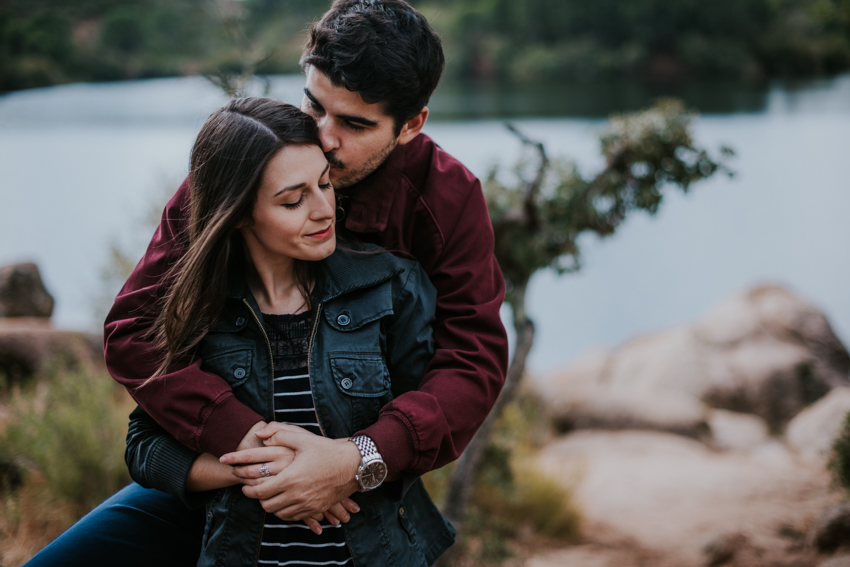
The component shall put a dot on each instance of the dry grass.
(63, 442)
(514, 508)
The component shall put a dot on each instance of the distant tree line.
(45, 42)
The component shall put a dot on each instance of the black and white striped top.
(293, 543)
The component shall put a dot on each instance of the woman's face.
(294, 214)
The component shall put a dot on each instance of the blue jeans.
(134, 527)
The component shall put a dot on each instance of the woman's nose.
(325, 205)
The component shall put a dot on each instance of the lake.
(82, 166)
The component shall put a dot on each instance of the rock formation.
(22, 292)
(707, 444)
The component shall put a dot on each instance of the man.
(371, 66)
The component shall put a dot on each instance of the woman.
(305, 334)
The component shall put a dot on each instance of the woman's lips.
(322, 234)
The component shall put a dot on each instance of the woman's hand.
(246, 467)
(320, 477)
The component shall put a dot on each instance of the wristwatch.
(373, 470)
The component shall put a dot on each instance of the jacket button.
(240, 321)
(239, 373)
(386, 383)
(401, 511)
(346, 383)
(343, 319)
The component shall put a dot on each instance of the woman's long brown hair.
(226, 169)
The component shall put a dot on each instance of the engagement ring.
(264, 469)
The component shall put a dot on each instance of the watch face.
(373, 474)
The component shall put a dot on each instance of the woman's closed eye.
(296, 204)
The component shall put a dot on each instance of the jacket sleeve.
(196, 407)
(156, 460)
(425, 429)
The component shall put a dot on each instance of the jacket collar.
(349, 268)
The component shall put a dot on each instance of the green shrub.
(68, 434)
(839, 463)
(513, 503)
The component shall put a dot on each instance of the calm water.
(82, 165)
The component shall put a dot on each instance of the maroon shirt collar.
(372, 198)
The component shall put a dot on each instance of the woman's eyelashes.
(296, 204)
(300, 201)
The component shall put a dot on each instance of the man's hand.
(246, 467)
(320, 476)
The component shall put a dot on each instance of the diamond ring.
(264, 469)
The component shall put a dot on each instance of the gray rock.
(28, 345)
(764, 352)
(22, 292)
(831, 529)
(721, 549)
(812, 432)
(840, 561)
(733, 430)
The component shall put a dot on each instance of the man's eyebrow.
(348, 117)
(312, 98)
(358, 120)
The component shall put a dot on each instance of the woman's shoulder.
(364, 257)
(358, 266)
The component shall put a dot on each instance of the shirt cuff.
(394, 442)
(226, 426)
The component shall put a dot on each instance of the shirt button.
(401, 511)
(239, 373)
(343, 319)
(346, 383)
(240, 321)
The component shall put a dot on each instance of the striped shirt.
(293, 543)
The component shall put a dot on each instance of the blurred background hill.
(47, 42)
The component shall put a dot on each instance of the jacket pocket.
(364, 380)
(232, 364)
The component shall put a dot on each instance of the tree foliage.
(53, 41)
(538, 220)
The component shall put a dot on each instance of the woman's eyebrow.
(290, 188)
(300, 185)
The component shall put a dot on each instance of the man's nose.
(328, 135)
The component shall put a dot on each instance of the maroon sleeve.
(425, 429)
(196, 407)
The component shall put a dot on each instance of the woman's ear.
(413, 126)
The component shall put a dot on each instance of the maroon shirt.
(421, 202)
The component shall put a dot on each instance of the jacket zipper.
(309, 373)
(310, 379)
(271, 358)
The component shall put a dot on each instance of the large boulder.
(764, 352)
(22, 293)
(28, 345)
(831, 529)
(812, 432)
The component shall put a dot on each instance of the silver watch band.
(367, 447)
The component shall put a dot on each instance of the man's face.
(356, 136)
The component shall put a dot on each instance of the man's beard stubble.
(346, 177)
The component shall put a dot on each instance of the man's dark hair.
(382, 49)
